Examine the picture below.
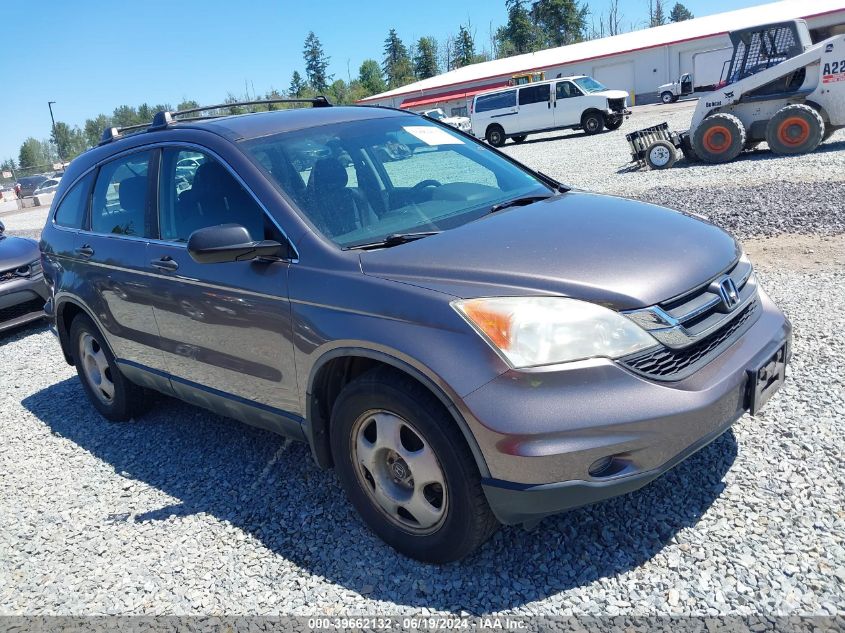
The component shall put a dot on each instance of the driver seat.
(336, 209)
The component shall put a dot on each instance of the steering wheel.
(427, 183)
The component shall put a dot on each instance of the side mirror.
(228, 243)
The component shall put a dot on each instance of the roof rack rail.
(164, 118)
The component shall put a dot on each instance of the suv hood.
(17, 251)
(616, 252)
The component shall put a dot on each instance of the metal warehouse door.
(617, 77)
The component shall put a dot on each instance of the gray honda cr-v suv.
(466, 341)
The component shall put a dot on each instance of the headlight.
(531, 331)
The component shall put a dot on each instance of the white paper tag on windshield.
(431, 135)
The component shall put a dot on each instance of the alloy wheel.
(95, 368)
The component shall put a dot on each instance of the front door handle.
(166, 263)
(85, 251)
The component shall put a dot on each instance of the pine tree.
(519, 35)
(297, 86)
(560, 22)
(316, 63)
(656, 14)
(425, 60)
(463, 53)
(679, 13)
(397, 64)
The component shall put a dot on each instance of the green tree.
(679, 13)
(656, 13)
(187, 104)
(316, 63)
(518, 35)
(8, 164)
(297, 86)
(463, 52)
(397, 63)
(34, 153)
(371, 78)
(94, 128)
(425, 59)
(560, 22)
(338, 92)
(70, 142)
(125, 115)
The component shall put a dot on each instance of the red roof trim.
(586, 59)
(412, 102)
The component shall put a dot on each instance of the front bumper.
(22, 301)
(543, 432)
(616, 114)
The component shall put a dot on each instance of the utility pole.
(55, 138)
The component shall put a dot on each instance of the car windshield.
(437, 115)
(588, 85)
(360, 182)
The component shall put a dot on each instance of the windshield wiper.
(394, 239)
(518, 202)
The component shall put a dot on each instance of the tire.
(667, 97)
(719, 138)
(613, 124)
(592, 122)
(795, 129)
(495, 135)
(385, 403)
(519, 138)
(660, 155)
(113, 395)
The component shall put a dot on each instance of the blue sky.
(91, 56)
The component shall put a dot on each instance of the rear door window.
(534, 94)
(496, 101)
(119, 204)
(71, 211)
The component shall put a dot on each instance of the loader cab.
(761, 47)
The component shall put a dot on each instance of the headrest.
(329, 173)
(132, 193)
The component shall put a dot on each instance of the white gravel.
(184, 512)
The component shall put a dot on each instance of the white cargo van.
(578, 102)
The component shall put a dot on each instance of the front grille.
(675, 364)
(617, 105)
(22, 309)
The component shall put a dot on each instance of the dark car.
(22, 288)
(466, 341)
(27, 185)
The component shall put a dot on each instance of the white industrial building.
(638, 61)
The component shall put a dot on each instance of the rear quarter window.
(71, 210)
(496, 101)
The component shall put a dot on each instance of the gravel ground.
(184, 512)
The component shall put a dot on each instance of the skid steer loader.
(780, 88)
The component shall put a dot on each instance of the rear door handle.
(166, 263)
(85, 251)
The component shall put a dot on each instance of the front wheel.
(719, 138)
(592, 122)
(613, 123)
(495, 136)
(406, 468)
(667, 97)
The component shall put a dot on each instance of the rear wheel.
(667, 97)
(111, 393)
(795, 129)
(661, 155)
(406, 468)
(519, 138)
(719, 138)
(496, 135)
(592, 122)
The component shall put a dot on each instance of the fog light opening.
(607, 466)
